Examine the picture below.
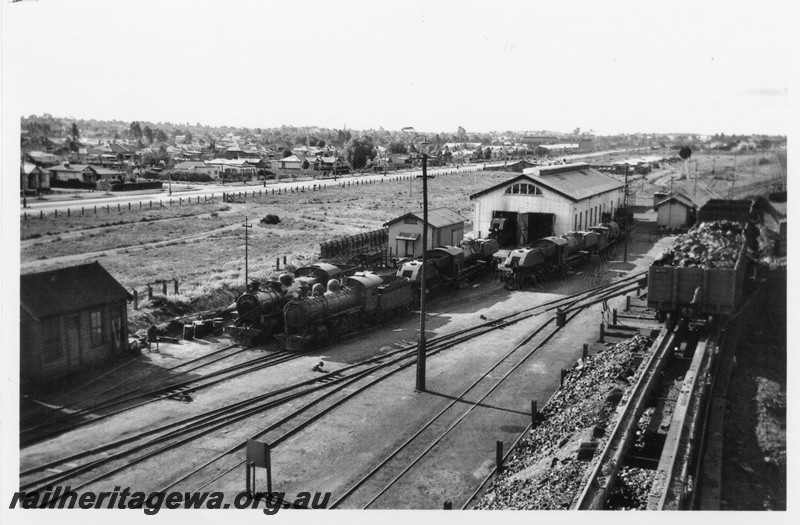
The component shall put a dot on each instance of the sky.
(607, 66)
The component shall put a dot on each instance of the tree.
(461, 134)
(478, 153)
(487, 153)
(161, 136)
(287, 153)
(359, 151)
(75, 133)
(320, 143)
(148, 134)
(305, 164)
(397, 148)
(135, 131)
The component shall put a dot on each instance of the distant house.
(445, 227)
(40, 158)
(234, 169)
(676, 211)
(70, 319)
(326, 164)
(83, 173)
(291, 163)
(34, 178)
(212, 171)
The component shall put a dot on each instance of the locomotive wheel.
(512, 281)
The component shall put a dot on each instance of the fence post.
(151, 204)
(499, 456)
(25, 216)
(277, 263)
(149, 293)
(585, 353)
(129, 206)
(81, 211)
(108, 208)
(164, 287)
(68, 212)
(284, 260)
(180, 201)
(175, 281)
(614, 316)
(534, 412)
(135, 299)
(56, 213)
(602, 332)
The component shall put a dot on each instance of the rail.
(603, 476)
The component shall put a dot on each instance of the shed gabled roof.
(67, 290)
(680, 199)
(437, 217)
(573, 181)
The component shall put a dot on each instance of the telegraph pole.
(246, 242)
(422, 348)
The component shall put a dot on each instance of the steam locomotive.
(260, 308)
(366, 298)
(450, 266)
(550, 257)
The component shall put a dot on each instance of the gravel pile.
(631, 490)
(547, 467)
(711, 245)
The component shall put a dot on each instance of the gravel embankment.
(547, 467)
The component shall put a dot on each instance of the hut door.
(74, 339)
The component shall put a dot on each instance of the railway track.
(331, 389)
(399, 464)
(434, 346)
(149, 393)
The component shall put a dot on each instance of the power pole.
(246, 242)
(421, 349)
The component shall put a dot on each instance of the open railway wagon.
(365, 298)
(702, 274)
(260, 309)
(451, 266)
(741, 210)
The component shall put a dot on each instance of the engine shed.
(70, 319)
(545, 201)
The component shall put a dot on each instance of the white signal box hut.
(676, 211)
(545, 201)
